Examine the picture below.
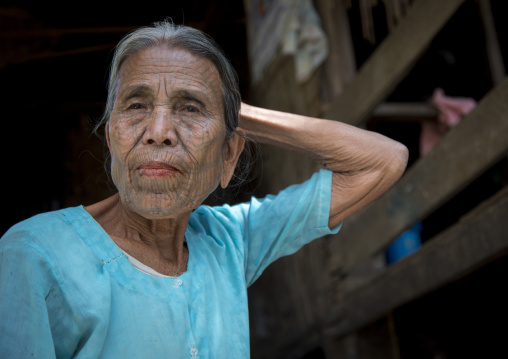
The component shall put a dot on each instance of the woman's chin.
(159, 206)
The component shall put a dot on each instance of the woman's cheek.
(116, 173)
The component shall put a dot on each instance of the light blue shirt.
(67, 291)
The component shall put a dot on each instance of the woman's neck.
(157, 243)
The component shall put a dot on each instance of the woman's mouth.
(156, 169)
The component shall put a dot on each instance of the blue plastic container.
(407, 243)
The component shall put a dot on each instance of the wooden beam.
(53, 54)
(339, 67)
(405, 110)
(476, 240)
(377, 340)
(392, 60)
(470, 148)
(54, 32)
(496, 64)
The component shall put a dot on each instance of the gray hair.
(187, 38)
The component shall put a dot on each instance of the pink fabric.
(450, 112)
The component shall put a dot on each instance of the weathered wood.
(496, 64)
(405, 110)
(394, 57)
(464, 153)
(367, 20)
(288, 298)
(280, 91)
(48, 54)
(477, 239)
(53, 32)
(377, 340)
(339, 67)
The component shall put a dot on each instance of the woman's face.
(167, 132)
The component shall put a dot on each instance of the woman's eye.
(136, 106)
(190, 109)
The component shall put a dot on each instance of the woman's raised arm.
(365, 164)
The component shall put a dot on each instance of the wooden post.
(339, 67)
(496, 64)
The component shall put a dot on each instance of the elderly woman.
(150, 272)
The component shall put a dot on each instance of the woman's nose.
(160, 129)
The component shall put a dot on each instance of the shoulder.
(40, 225)
(317, 188)
(34, 227)
(224, 213)
(46, 233)
(218, 220)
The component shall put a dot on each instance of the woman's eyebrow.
(189, 95)
(135, 91)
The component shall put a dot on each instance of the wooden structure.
(337, 298)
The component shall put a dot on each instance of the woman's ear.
(231, 153)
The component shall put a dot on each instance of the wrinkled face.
(167, 132)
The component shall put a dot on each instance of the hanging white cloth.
(291, 25)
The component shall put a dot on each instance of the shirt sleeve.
(277, 226)
(24, 286)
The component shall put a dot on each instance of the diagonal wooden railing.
(467, 151)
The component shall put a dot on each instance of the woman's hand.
(365, 164)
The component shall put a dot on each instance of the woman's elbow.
(397, 161)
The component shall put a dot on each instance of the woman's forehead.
(171, 64)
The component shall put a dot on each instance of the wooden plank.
(377, 340)
(464, 153)
(391, 61)
(53, 32)
(405, 110)
(477, 239)
(282, 168)
(14, 56)
(339, 67)
(295, 276)
(496, 63)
